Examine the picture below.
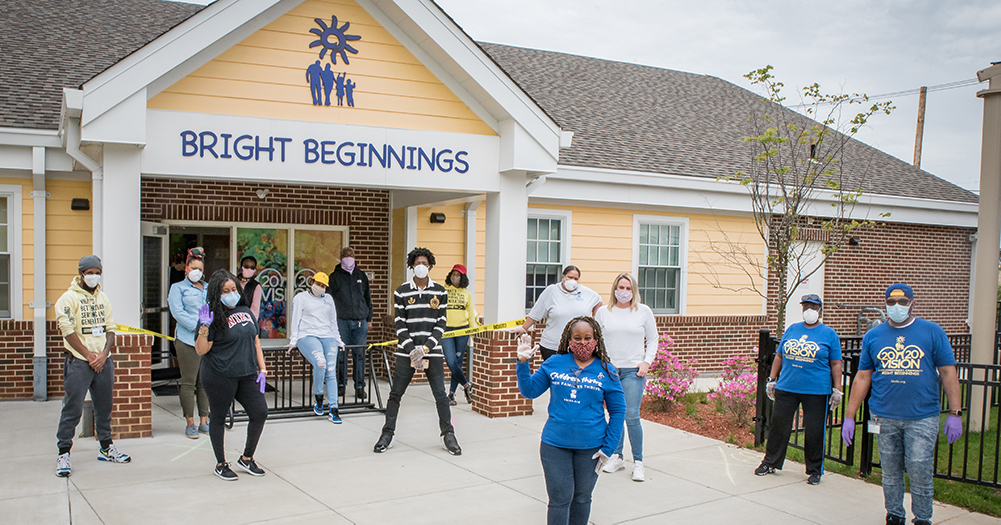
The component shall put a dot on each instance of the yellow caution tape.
(467, 331)
(134, 330)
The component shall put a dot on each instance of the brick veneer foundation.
(494, 376)
(131, 416)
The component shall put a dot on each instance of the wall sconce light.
(854, 241)
(261, 194)
(437, 218)
(80, 204)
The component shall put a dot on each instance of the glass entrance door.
(154, 311)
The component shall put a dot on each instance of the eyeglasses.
(903, 301)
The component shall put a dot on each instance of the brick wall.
(131, 415)
(365, 211)
(711, 339)
(16, 364)
(495, 378)
(934, 260)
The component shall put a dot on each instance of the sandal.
(468, 391)
(451, 400)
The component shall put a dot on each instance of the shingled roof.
(47, 45)
(632, 117)
(624, 116)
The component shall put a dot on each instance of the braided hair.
(213, 296)
(599, 351)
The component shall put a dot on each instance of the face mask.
(195, 276)
(248, 272)
(811, 316)
(348, 264)
(624, 296)
(92, 280)
(231, 299)
(570, 285)
(456, 279)
(898, 313)
(421, 271)
(318, 289)
(583, 350)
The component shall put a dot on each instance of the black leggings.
(222, 391)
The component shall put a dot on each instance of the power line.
(904, 93)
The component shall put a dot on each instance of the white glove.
(525, 348)
(770, 389)
(417, 358)
(836, 397)
(602, 459)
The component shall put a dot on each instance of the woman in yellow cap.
(313, 329)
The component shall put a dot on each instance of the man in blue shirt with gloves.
(903, 361)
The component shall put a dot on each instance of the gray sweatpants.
(78, 378)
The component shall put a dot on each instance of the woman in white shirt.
(631, 339)
(558, 304)
(313, 329)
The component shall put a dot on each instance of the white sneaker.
(639, 472)
(63, 466)
(614, 464)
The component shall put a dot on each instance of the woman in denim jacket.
(185, 298)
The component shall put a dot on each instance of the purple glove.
(953, 428)
(205, 315)
(848, 431)
(260, 379)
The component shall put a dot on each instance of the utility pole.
(921, 126)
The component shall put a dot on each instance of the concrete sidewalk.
(323, 473)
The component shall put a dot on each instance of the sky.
(850, 46)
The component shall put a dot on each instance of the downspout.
(39, 304)
(97, 182)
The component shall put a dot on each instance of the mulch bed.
(706, 421)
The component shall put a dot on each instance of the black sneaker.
(385, 442)
(763, 470)
(224, 472)
(359, 394)
(895, 520)
(250, 466)
(814, 479)
(340, 390)
(450, 444)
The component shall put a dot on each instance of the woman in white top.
(631, 340)
(558, 304)
(313, 329)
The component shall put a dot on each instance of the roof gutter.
(72, 111)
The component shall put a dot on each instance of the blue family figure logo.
(324, 80)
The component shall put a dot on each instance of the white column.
(411, 243)
(471, 245)
(504, 280)
(38, 303)
(121, 232)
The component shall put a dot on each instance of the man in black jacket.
(420, 305)
(353, 299)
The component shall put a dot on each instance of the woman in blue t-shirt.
(233, 368)
(577, 440)
(809, 360)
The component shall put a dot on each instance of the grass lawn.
(986, 500)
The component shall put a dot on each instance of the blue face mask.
(898, 313)
(231, 299)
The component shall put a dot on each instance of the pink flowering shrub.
(737, 389)
(669, 377)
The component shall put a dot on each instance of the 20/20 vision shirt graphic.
(900, 359)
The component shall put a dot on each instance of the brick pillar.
(131, 415)
(495, 377)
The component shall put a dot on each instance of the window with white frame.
(6, 298)
(660, 260)
(548, 241)
(10, 256)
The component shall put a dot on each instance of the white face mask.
(570, 285)
(811, 316)
(421, 271)
(195, 275)
(92, 280)
(898, 313)
(318, 289)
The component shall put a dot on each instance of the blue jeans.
(570, 479)
(455, 351)
(632, 387)
(321, 352)
(354, 332)
(907, 445)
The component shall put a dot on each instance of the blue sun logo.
(340, 43)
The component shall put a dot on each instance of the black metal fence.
(974, 458)
(289, 386)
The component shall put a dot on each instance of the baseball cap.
(321, 278)
(812, 298)
(899, 290)
(460, 268)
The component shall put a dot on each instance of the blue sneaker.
(191, 431)
(334, 417)
(113, 455)
(318, 408)
(204, 429)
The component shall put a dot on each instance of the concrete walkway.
(321, 473)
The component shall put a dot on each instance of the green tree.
(805, 175)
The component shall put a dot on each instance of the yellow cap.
(321, 278)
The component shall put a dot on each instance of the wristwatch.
(957, 413)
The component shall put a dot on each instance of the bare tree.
(805, 176)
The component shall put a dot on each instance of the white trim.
(30, 137)
(566, 216)
(16, 248)
(682, 222)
